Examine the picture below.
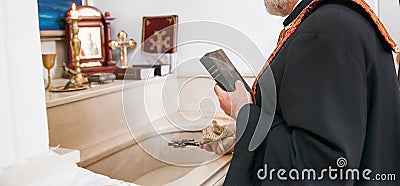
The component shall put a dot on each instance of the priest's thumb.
(239, 85)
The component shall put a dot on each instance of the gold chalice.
(48, 63)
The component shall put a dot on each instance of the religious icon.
(94, 55)
(90, 42)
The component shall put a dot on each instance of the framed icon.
(94, 34)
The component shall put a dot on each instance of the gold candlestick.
(76, 46)
(48, 63)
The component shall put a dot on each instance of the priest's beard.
(279, 7)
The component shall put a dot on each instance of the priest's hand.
(224, 145)
(232, 102)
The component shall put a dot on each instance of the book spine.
(128, 74)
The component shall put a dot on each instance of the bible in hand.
(222, 70)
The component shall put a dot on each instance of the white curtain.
(23, 121)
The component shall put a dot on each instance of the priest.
(336, 116)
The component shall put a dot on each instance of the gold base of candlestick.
(66, 89)
(76, 80)
(79, 79)
(72, 85)
(49, 87)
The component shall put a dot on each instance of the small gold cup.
(48, 63)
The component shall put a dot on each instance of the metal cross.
(123, 44)
(185, 142)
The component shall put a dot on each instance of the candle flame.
(73, 6)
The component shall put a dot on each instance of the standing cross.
(123, 44)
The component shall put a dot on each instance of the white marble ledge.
(195, 177)
(60, 98)
(71, 155)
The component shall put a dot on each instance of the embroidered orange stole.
(291, 28)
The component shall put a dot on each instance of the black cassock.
(337, 97)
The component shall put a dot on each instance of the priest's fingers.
(224, 99)
(241, 90)
(231, 126)
(207, 147)
(220, 92)
(216, 148)
(212, 147)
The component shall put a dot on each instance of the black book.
(222, 70)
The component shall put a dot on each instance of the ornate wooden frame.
(91, 17)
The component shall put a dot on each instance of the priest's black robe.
(337, 97)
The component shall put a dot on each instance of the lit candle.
(74, 12)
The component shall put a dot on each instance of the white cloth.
(88, 178)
